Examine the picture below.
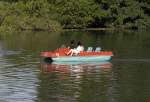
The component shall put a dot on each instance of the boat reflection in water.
(72, 81)
(75, 68)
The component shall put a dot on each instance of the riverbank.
(89, 29)
(71, 30)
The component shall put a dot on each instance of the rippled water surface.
(24, 77)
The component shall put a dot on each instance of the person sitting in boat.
(72, 45)
(77, 50)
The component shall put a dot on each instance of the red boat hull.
(62, 52)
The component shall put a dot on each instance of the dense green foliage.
(57, 14)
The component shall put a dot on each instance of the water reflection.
(17, 80)
(69, 82)
(76, 67)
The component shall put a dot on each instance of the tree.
(78, 13)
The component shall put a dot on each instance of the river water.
(25, 78)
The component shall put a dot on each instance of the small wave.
(7, 53)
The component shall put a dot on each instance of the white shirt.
(80, 48)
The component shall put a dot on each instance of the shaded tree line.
(74, 14)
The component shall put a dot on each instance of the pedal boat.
(59, 55)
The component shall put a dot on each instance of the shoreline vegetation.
(55, 15)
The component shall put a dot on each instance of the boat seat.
(98, 49)
(89, 49)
